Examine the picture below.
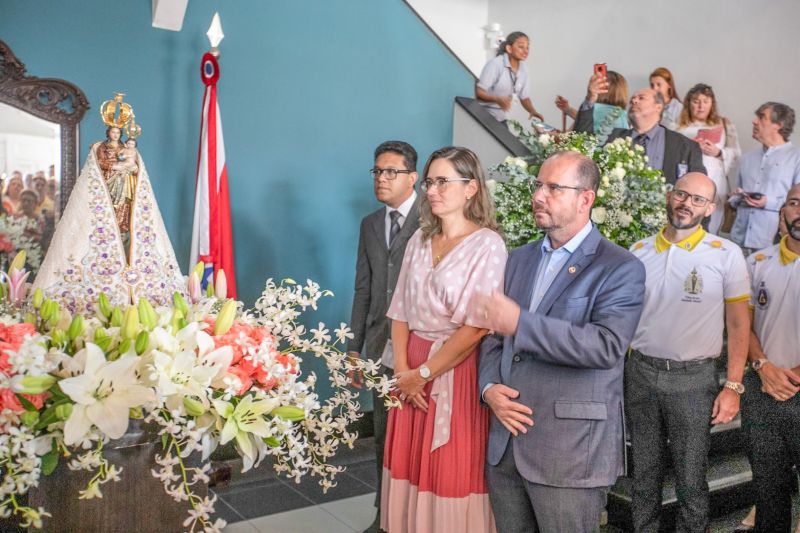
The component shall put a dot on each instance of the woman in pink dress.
(433, 478)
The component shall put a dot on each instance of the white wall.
(460, 23)
(747, 50)
(469, 132)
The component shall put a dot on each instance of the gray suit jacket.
(678, 149)
(377, 269)
(566, 360)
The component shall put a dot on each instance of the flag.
(212, 240)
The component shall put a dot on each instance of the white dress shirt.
(404, 208)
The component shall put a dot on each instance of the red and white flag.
(212, 240)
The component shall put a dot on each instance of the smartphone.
(754, 195)
(600, 69)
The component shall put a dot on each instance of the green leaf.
(26, 403)
(164, 441)
(272, 442)
(49, 462)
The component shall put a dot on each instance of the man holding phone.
(671, 153)
(765, 176)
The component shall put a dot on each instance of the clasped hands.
(409, 385)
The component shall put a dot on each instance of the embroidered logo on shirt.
(763, 297)
(716, 244)
(638, 246)
(693, 283)
(760, 257)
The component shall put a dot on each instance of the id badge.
(387, 357)
(683, 169)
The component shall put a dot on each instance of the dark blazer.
(377, 269)
(678, 149)
(566, 360)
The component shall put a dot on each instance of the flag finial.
(215, 34)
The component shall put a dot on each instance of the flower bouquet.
(630, 202)
(202, 371)
(15, 236)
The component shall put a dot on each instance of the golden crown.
(132, 129)
(115, 112)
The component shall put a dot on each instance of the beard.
(793, 227)
(694, 220)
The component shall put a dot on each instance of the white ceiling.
(13, 120)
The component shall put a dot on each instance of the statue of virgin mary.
(110, 241)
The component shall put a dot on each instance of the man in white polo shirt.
(771, 405)
(697, 283)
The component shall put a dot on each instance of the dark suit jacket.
(377, 269)
(566, 360)
(678, 149)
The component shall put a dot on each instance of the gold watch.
(735, 386)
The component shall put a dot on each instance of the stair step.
(729, 481)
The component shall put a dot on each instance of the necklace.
(445, 249)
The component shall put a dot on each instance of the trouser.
(520, 506)
(773, 434)
(668, 409)
(380, 415)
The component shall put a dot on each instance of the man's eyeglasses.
(389, 173)
(551, 189)
(697, 200)
(440, 183)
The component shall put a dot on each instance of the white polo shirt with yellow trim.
(687, 286)
(775, 274)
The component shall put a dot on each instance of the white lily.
(185, 374)
(103, 395)
(243, 420)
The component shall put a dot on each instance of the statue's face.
(130, 143)
(114, 134)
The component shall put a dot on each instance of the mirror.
(38, 156)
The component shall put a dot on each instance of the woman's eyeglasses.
(440, 183)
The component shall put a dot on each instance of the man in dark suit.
(670, 152)
(557, 357)
(381, 245)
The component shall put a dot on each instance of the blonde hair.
(686, 114)
(479, 209)
(617, 90)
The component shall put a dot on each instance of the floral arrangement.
(203, 371)
(15, 236)
(630, 203)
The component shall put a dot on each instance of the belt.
(669, 364)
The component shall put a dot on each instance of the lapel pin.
(572, 269)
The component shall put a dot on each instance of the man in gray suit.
(381, 245)
(557, 357)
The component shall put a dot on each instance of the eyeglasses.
(390, 173)
(552, 189)
(697, 200)
(440, 183)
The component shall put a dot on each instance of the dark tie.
(642, 141)
(394, 229)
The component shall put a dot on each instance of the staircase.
(729, 478)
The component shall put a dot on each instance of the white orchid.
(103, 395)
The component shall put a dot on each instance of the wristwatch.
(759, 363)
(735, 386)
(424, 372)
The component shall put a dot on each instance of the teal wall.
(308, 88)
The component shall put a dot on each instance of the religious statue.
(120, 166)
(111, 237)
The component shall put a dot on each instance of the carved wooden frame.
(51, 99)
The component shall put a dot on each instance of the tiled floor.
(261, 502)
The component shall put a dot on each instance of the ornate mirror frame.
(51, 99)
